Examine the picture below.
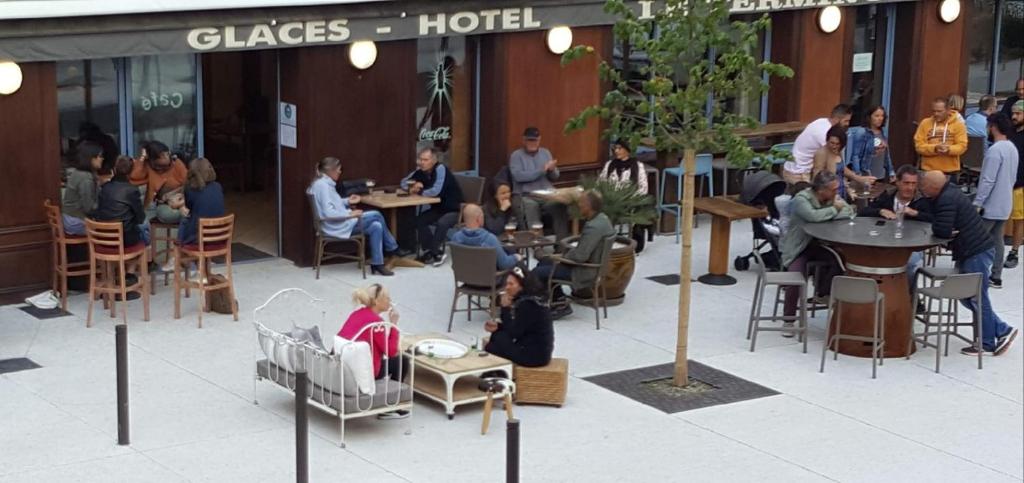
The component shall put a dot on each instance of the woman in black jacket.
(119, 200)
(497, 206)
(525, 334)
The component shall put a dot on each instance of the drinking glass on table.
(899, 222)
(853, 213)
(370, 184)
(537, 228)
(510, 227)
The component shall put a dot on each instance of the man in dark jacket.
(953, 216)
(908, 199)
(119, 200)
(432, 224)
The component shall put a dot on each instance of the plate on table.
(543, 192)
(441, 348)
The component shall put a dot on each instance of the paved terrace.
(193, 418)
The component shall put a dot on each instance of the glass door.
(163, 102)
(88, 106)
(868, 60)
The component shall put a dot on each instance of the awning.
(47, 39)
(24, 9)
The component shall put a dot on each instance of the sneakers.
(995, 282)
(971, 350)
(560, 310)
(1003, 343)
(440, 259)
(1011, 260)
(788, 333)
(399, 414)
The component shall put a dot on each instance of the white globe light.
(362, 54)
(10, 77)
(829, 19)
(949, 10)
(559, 39)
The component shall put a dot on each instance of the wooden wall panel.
(818, 63)
(928, 64)
(29, 141)
(525, 85)
(365, 118)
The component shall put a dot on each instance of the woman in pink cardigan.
(387, 361)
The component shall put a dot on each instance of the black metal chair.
(476, 275)
(596, 287)
(323, 241)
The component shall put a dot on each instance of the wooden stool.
(62, 269)
(106, 246)
(496, 386)
(169, 235)
(542, 385)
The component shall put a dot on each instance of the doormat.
(669, 279)
(17, 364)
(241, 253)
(43, 314)
(653, 386)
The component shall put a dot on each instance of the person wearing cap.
(533, 168)
(1016, 222)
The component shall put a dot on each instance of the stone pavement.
(193, 417)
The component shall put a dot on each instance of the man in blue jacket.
(474, 235)
(954, 217)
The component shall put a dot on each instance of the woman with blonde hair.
(204, 198)
(374, 304)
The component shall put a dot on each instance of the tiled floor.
(193, 417)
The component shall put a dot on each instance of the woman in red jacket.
(375, 303)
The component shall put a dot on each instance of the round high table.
(870, 249)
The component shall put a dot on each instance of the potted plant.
(625, 207)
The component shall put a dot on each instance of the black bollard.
(301, 427)
(512, 451)
(121, 337)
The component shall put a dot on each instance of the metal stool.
(954, 287)
(779, 280)
(929, 276)
(856, 290)
(811, 272)
(703, 170)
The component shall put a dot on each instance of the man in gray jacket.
(995, 188)
(533, 168)
(587, 250)
(816, 204)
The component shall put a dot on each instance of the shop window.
(1011, 48)
(87, 105)
(163, 98)
(444, 102)
(979, 53)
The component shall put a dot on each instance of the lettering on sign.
(267, 35)
(173, 100)
(441, 133)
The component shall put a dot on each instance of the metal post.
(512, 451)
(121, 337)
(301, 427)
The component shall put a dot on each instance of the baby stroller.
(760, 189)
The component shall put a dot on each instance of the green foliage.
(623, 204)
(766, 160)
(668, 106)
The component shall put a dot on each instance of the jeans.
(440, 222)
(396, 368)
(992, 327)
(995, 231)
(530, 210)
(166, 214)
(913, 265)
(73, 225)
(543, 271)
(823, 281)
(379, 239)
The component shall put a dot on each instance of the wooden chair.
(323, 240)
(62, 269)
(106, 246)
(596, 287)
(162, 232)
(215, 235)
(476, 275)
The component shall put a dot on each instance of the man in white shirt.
(809, 141)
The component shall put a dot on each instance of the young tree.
(696, 59)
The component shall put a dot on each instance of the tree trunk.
(681, 375)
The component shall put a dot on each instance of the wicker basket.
(542, 385)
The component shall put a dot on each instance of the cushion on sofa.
(387, 391)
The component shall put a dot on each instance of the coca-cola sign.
(442, 133)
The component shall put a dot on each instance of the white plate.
(441, 348)
(543, 192)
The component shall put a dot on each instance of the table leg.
(449, 404)
(718, 256)
(488, 405)
(393, 221)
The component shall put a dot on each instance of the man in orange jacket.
(941, 139)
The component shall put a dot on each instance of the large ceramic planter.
(620, 272)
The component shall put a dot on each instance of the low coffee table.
(452, 382)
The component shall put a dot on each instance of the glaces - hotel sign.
(275, 34)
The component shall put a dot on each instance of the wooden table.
(873, 251)
(723, 212)
(773, 132)
(391, 202)
(452, 382)
(566, 196)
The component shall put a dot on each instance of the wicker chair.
(596, 287)
(475, 276)
(323, 241)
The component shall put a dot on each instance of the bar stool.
(169, 235)
(703, 170)
(856, 290)
(106, 245)
(62, 269)
(930, 276)
(779, 280)
(500, 387)
(214, 240)
(953, 288)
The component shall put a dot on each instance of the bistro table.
(773, 132)
(391, 202)
(723, 212)
(566, 196)
(870, 249)
(526, 242)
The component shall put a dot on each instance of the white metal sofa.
(332, 387)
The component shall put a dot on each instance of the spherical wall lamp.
(362, 54)
(10, 77)
(949, 10)
(829, 19)
(559, 39)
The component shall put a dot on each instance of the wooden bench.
(723, 212)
